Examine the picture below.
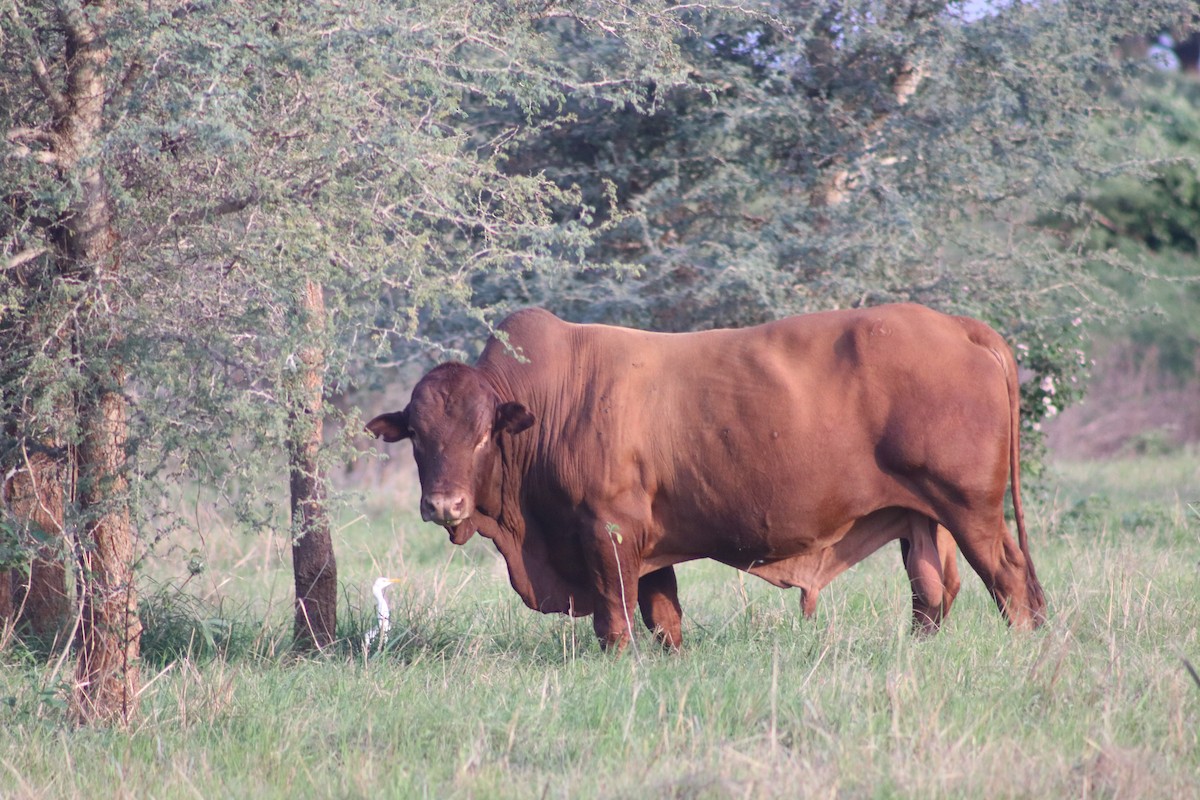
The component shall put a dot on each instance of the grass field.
(479, 697)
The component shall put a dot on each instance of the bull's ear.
(392, 427)
(513, 418)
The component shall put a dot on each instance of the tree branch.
(19, 136)
(25, 256)
(37, 68)
(123, 88)
(31, 135)
(41, 156)
(230, 205)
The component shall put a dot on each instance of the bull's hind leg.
(992, 552)
(658, 598)
(951, 583)
(924, 560)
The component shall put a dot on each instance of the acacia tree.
(334, 198)
(217, 213)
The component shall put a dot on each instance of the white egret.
(380, 631)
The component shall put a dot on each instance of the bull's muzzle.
(445, 508)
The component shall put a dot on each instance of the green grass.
(479, 697)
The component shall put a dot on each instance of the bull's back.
(834, 386)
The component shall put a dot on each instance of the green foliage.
(177, 625)
(14, 551)
(1150, 219)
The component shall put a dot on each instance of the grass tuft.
(177, 625)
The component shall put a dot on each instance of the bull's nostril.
(427, 509)
(439, 507)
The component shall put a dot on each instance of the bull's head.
(453, 420)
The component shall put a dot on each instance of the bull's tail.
(1037, 598)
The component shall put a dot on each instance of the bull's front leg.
(614, 564)
(658, 598)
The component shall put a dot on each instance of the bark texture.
(313, 562)
(33, 496)
(107, 676)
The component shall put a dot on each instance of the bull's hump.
(529, 320)
(526, 335)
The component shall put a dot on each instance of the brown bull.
(791, 450)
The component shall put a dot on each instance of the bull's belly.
(801, 555)
(793, 498)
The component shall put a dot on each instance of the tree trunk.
(313, 562)
(42, 597)
(106, 680)
(34, 498)
(107, 675)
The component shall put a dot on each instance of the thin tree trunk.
(107, 675)
(313, 562)
(7, 609)
(34, 498)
